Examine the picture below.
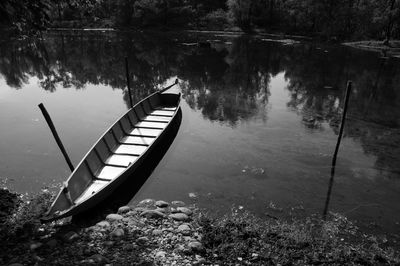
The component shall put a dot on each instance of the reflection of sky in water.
(258, 123)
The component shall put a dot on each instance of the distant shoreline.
(377, 46)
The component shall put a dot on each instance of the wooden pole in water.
(346, 102)
(128, 84)
(57, 138)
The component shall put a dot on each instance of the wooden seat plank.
(146, 132)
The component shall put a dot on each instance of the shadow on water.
(127, 190)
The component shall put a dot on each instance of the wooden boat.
(117, 153)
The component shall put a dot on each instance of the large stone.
(179, 216)
(185, 210)
(162, 204)
(153, 214)
(103, 224)
(114, 217)
(124, 209)
(118, 232)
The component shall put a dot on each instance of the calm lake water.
(259, 119)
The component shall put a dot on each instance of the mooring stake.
(57, 138)
(128, 84)
(346, 102)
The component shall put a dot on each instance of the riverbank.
(173, 233)
(393, 49)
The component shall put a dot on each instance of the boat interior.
(119, 147)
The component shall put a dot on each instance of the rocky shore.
(173, 233)
(152, 233)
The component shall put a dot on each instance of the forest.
(331, 20)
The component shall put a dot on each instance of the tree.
(389, 26)
(239, 13)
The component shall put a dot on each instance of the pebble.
(179, 248)
(178, 203)
(114, 217)
(52, 243)
(153, 214)
(179, 216)
(124, 209)
(130, 247)
(185, 210)
(142, 240)
(103, 224)
(174, 210)
(70, 236)
(97, 258)
(184, 229)
(35, 245)
(196, 246)
(127, 220)
(163, 210)
(118, 232)
(157, 232)
(162, 204)
(139, 209)
(146, 203)
(160, 254)
(192, 195)
(109, 243)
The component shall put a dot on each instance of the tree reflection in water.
(229, 83)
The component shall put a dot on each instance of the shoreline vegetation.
(335, 21)
(174, 233)
(386, 49)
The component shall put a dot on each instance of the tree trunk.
(271, 10)
(390, 24)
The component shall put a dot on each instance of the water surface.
(260, 119)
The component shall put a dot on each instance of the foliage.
(25, 15)
(332, 20)
(239, 13)
(8, 203)
(243, 238)
(24, 220)
(216, 19)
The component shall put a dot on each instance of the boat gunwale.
(64, 213)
